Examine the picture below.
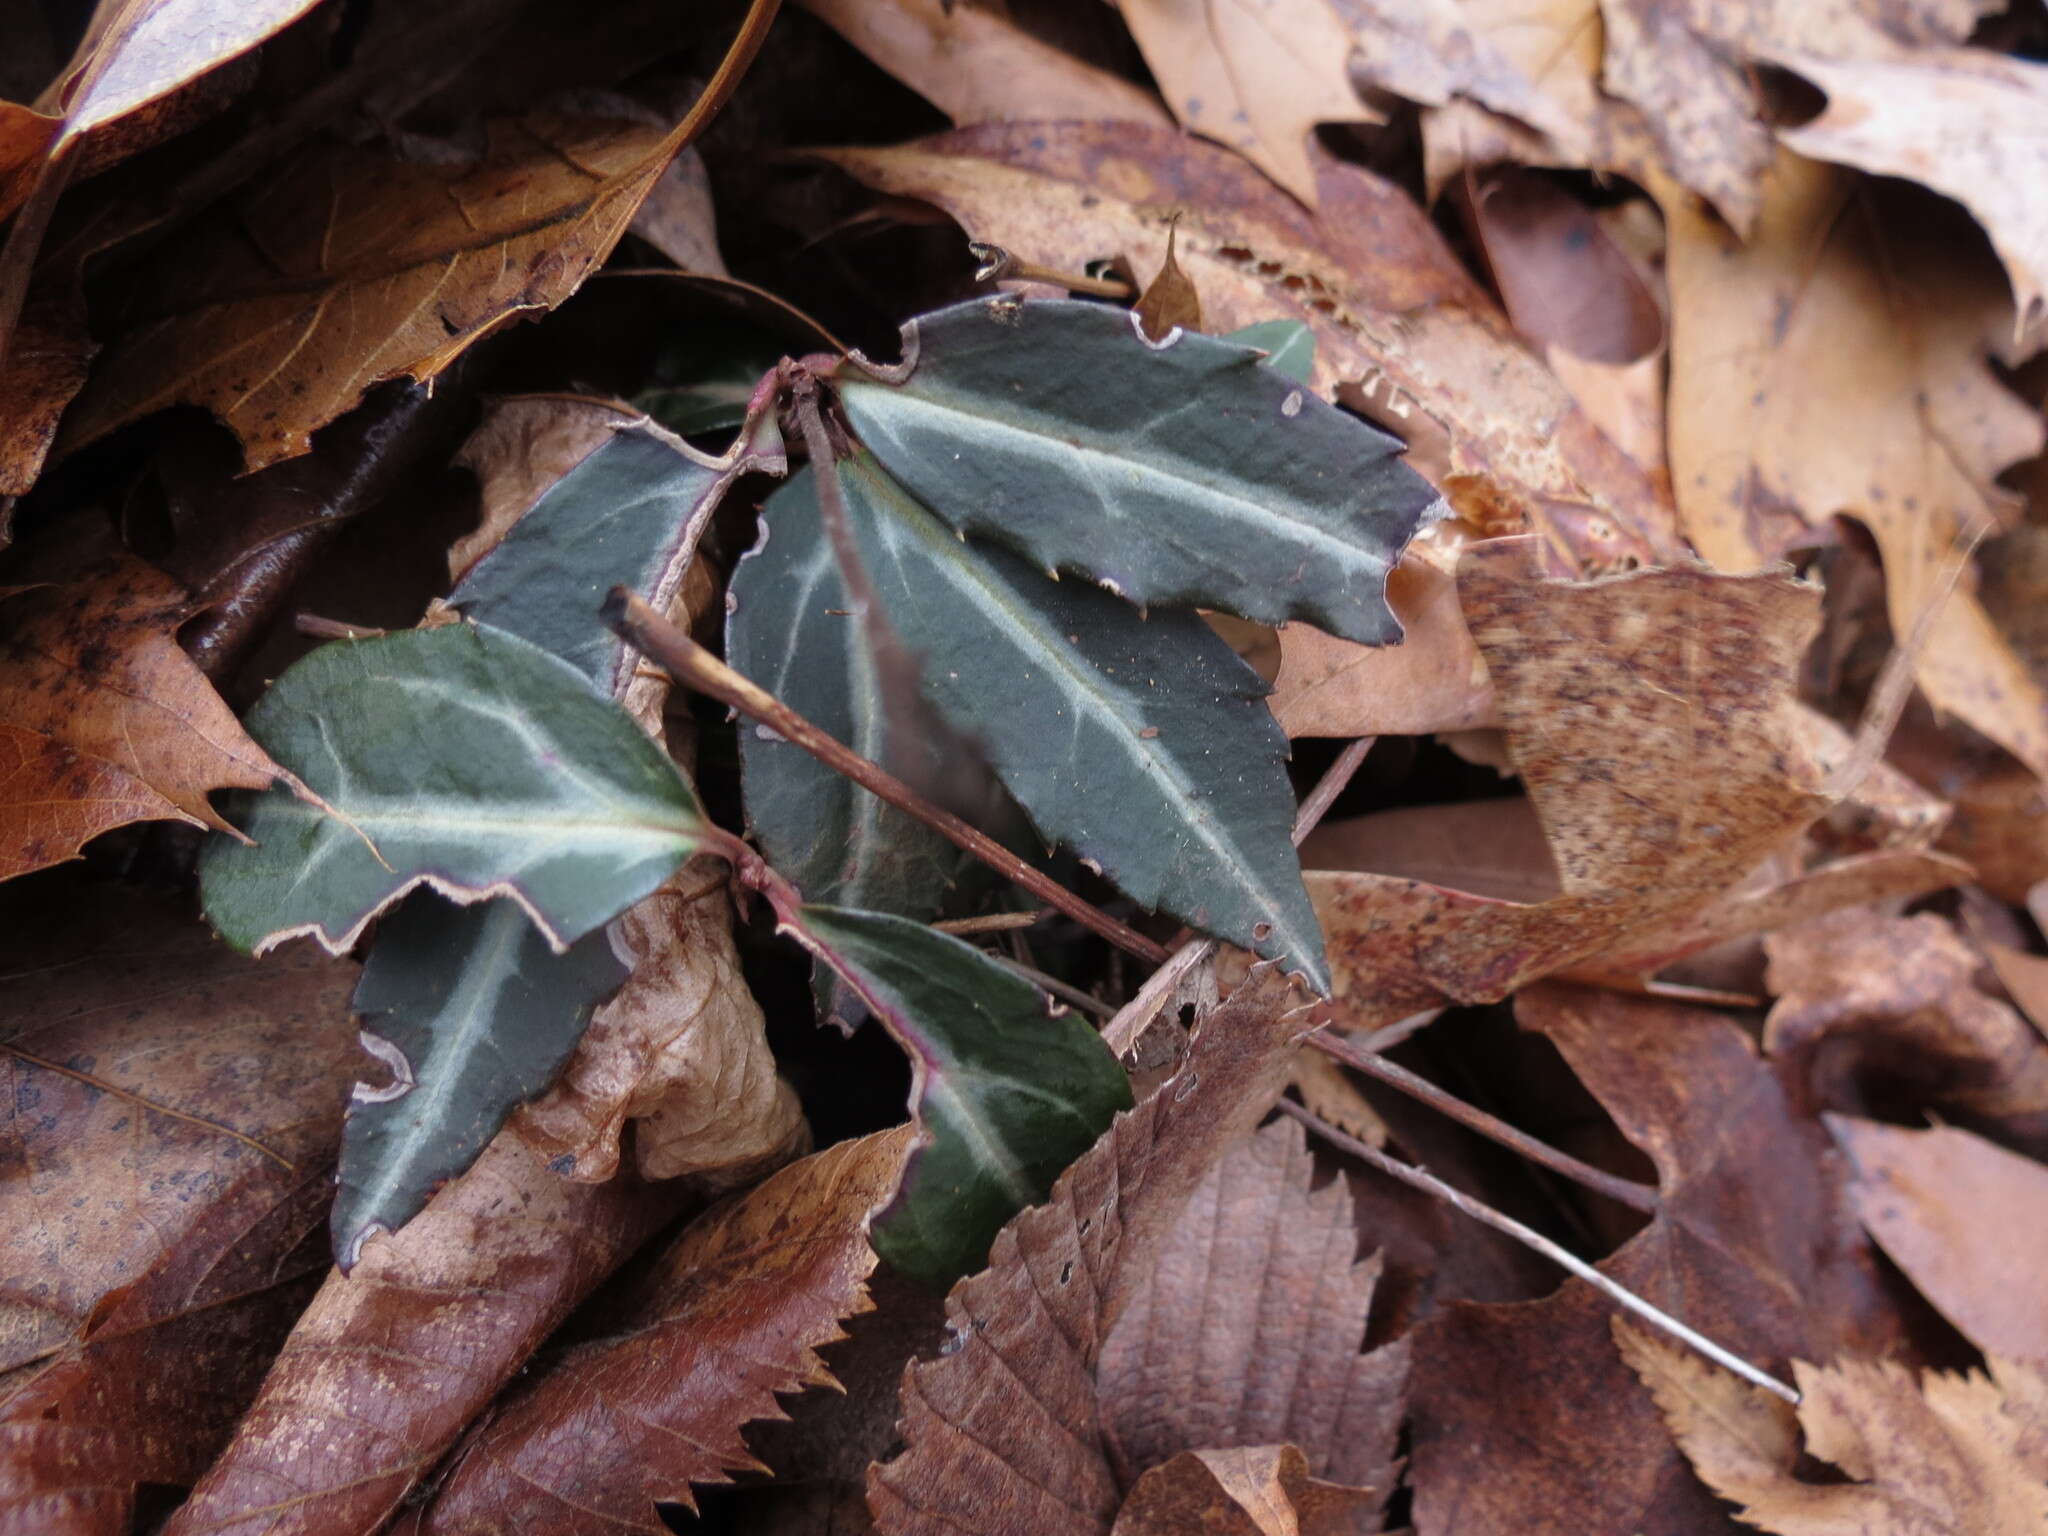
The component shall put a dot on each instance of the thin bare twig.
(319, 628)
(1430, 1184)
(1052, 984)
(690, 664)
(1639, 1197)
(998, 264)
(993, 922)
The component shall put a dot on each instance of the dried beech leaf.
(1838, 363)
(1965, 1219)
(1940, 1453)
(347, 266)
(1694, 671)
(1752, 1243)
(1006, 1432)
(1246, 1331)
(170, 1117)
(1257, 1491)
(977, 66)
(1895, 998)
(391, 1362)
(1397, 320)
(108, 721)
(1257, 78)
(732, 1315)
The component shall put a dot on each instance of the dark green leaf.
(703, 383)
(628, 515)
(473, 762)
(1289, 345)
(1143, 744)
(472, 1014)
(1006, 1093)
(791, 631)
(1184, 474)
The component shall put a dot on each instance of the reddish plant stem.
(690, 664)
(1639, 1197)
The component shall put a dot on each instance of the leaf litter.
(1656, 703)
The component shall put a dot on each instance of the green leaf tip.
(460, 758)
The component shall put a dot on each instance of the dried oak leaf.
(1888, 1008)
(1965, 1219)
(1524, 1420)
(1651, 716)
(1255, 1491)
(1068, 1371)
(347, 266)
(1399, 325)
(730, 1316)
(170, 1116)
(1938, 1454)
(1838, 363)
(108, 721)
(977, 66)
(393, 1360)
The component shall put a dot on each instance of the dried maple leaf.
(391, 1362)
(731, 1315)
(1257, 75)
(1838, 364)
(108, 721)
(1965, 1219)
(1943, 1453)
(1652, 718)
(1066, 1374)
(977, 66)
(1888, 1006)
(1523, 1417)
(349, 266)
(171, 1113)
(1399, 325)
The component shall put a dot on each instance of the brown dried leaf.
(976, 66)
(1257, 78)
(733, 1314)
(678, 218)
(1524, 1417)
(1945, 1453)
(349, 266)
(108, 721)
(1398, 323)
(1432, 681)
(46, 363)
(393, 1360)
(1838, 364)
(1693, 671)
(171, 1114)
(1256, 1491)
(1966, 1220)
(2025, 979)
(1874, 1004)
(1170, 299)
(1012, 1430)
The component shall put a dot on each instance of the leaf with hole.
(1179, 474)
(1143, 744)
(462, 758)
(1007, 1094)
(472, 1014)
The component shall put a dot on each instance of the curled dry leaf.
(1884, 1006)
(1940, 1453)
(1257, 78)
(1965, 1219)
(394, 1359)
(1257, 1491)
(1523, 1417)
(732, 1315)
(349, 266)
(171, 1114)
(977, 66)
(1693, 672)
(1838, 363)
(108, 721)
(1010, 1431)
(1396, 318)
